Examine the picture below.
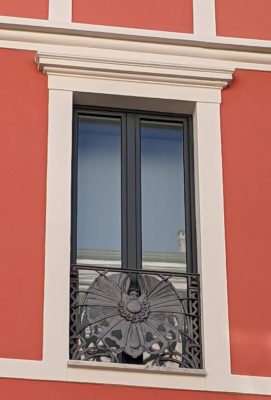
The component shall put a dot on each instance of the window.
(134, 287)
(181, 84)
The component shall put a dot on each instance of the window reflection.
(99, 190)
(163, 208)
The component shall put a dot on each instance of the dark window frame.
(131, 254)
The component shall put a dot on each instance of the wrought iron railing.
(135, 316)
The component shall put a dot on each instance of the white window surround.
(173, 84)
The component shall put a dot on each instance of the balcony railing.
(135, 316)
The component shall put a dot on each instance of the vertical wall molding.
(210, 221)
(204, 17)
(58, 218)
(60, 10)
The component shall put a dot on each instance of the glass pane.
(163, 209)
(99, 190)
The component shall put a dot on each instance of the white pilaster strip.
(60, 10)
(57, 247)
(204, 18)
(211, 241)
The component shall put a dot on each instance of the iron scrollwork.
(151, 317)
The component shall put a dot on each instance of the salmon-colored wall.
(164, 15)
(13, 389)
(244, 19)
(24, 8)
(246, 147)
(23, 137)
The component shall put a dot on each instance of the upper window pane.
(163, 206)
(99, 190)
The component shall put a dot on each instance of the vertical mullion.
(130, 194)
(131, 204)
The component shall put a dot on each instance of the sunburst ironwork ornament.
(138, 314)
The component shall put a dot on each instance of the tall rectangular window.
(134, 286)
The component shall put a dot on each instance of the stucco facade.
(209, 59)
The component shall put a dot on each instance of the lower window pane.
(163, 208)
(99, 190)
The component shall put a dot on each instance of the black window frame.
(131, 247)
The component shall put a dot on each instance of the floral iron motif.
(138, 314)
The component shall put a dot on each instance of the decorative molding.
(182, 51)
(65, 33)
(120, 68)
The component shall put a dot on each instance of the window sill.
(136, 368)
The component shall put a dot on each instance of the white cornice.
(118, 67)
(99, 42)
(66, 30)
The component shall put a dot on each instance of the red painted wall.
(244, 19)
(23, 137)
(13, 389)
(24, 8)
(164, 15)
(246, 146)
